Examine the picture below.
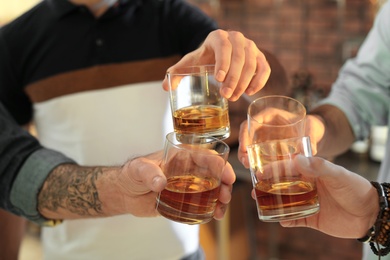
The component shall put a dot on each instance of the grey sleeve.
(30, 179)
(24, 165)
(362, 89)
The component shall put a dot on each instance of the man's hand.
(239, 64)
(348, 202)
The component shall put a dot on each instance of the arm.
(33, 177)
(330, 130)
(359, 98)
(67, 190)
(72, 191)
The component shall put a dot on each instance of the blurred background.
(312, 39)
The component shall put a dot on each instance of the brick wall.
(310, 36)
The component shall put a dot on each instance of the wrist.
(333, 130)
(379, 234)
(110, 192)
(368, 223)
(376, 207)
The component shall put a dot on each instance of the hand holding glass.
(193, 170)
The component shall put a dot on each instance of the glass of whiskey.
(282, 193)
(196, 103)
(193, 169)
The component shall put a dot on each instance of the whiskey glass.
(282, 193)
(196, 102)
(193, 169)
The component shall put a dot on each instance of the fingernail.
(303, 161)
(220, 76)
(223, 208)
(242, 159)
(250, 91)
(157, 181)
(227, 92)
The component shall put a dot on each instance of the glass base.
(221, 134)
(278, 215)
(183, 217)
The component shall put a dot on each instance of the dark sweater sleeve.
(24, 165)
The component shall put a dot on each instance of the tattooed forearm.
(72, 188)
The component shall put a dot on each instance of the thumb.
(187, 60)
(313, 166)
(149, 175)
(334, 175)
(304, 165)
(165, 83)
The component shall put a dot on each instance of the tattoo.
(72, 188)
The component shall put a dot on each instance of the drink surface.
(285, 194)
(189, 199)
(200, 119)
